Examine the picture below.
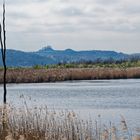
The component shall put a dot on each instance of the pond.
(108, 98)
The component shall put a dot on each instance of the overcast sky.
(76, 24)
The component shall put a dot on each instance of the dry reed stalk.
(52, 75)
(42, 124)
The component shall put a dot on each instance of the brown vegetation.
(42, 124)
(30, 75)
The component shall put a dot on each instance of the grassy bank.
(90, 64)
(36, 75)
(41, 124)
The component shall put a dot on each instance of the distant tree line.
(104, 61)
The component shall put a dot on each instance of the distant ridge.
(47, 55)
(46, 49)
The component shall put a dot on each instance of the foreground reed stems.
(39, 123)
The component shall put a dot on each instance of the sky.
(76, 24)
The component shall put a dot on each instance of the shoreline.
(42, 75)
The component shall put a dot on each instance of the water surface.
(109, 98)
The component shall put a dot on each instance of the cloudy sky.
(76, 24)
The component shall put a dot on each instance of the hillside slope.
(47, 55)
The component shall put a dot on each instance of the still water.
(108, 98)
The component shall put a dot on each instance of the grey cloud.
(17, 15)
(75, 11)
(130, 10)
(110, 24)
(70, 11)
(22, 1)
(53, 17)
(106, 2)
(54, 28)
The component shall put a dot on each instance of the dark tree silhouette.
(3, 50)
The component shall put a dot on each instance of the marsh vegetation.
(39, 123)
(39, 75)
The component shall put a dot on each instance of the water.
(109, 98)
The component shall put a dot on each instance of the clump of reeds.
(42, 124)
(64, 74)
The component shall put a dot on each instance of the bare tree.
(3, 50)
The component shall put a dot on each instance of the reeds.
(30, 75)
(42, 124)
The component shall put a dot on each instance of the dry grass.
(41, 124)
(30, 75)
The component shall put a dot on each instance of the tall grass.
(42, 124)
(30, 75)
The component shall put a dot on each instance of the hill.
(48, 55)
(25, 59)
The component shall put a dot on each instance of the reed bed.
(31, 75)
(42, 124)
